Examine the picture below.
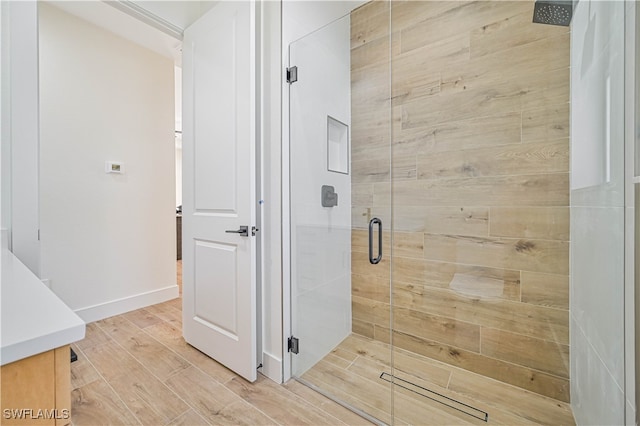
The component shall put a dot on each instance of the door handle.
(243, 231)
(375, 260)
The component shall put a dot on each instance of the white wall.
(5, 164)
(178, 162)
(20, 132)
(178, 126)
(597, 213)
(108, 241)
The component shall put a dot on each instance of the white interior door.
(219, 139)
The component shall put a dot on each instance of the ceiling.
(156, 25)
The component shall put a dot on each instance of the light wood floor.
(352, 373)
(137, 369)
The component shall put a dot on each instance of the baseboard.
(272, 367)
(126, 304)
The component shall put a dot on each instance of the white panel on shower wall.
(597, 69)
(597, 213)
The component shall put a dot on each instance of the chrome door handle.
(243, 231)
(375, 260)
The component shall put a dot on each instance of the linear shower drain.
(437, 397)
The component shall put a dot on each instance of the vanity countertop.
(33, 319)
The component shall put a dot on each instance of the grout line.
(189, 362)
(182, 414)
(306, 402)
(247, 402)
(136, 358)
(352, 362)
(144, 367)
(79, 351)
(597, 353)
(106, 382)
(520, 290)
(196, 413)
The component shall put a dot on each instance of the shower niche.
(337, 146)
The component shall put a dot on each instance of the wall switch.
(114, 167)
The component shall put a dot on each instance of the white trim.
(286, 222)
(272, 367)
(143, 15)
(4, 238)
(630, 231)
(126, 304)
(24, 138)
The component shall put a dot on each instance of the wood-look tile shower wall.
(479, 124)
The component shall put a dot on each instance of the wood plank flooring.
(136, 369)
(352, 372)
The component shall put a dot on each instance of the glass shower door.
(339, 239)
(320, 197)
(481, 216)
(437, 133)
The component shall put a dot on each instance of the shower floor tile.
(352, 372)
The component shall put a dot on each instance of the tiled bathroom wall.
(597, 213)
(479, 202)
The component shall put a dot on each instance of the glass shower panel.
(335, 194)
(320, 236)
(480, 268)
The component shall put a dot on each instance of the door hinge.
(292, 75)
(293, 345)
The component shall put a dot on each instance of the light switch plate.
(114, 167)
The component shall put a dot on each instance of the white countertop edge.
(27, 348)
(33, 319)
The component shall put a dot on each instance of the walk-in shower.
(430, 208)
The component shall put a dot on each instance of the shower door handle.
(372, 222)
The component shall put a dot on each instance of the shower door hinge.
(292, 75)
(293, 345)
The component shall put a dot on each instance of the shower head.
(552, 12)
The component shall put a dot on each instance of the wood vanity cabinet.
(37, 389)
